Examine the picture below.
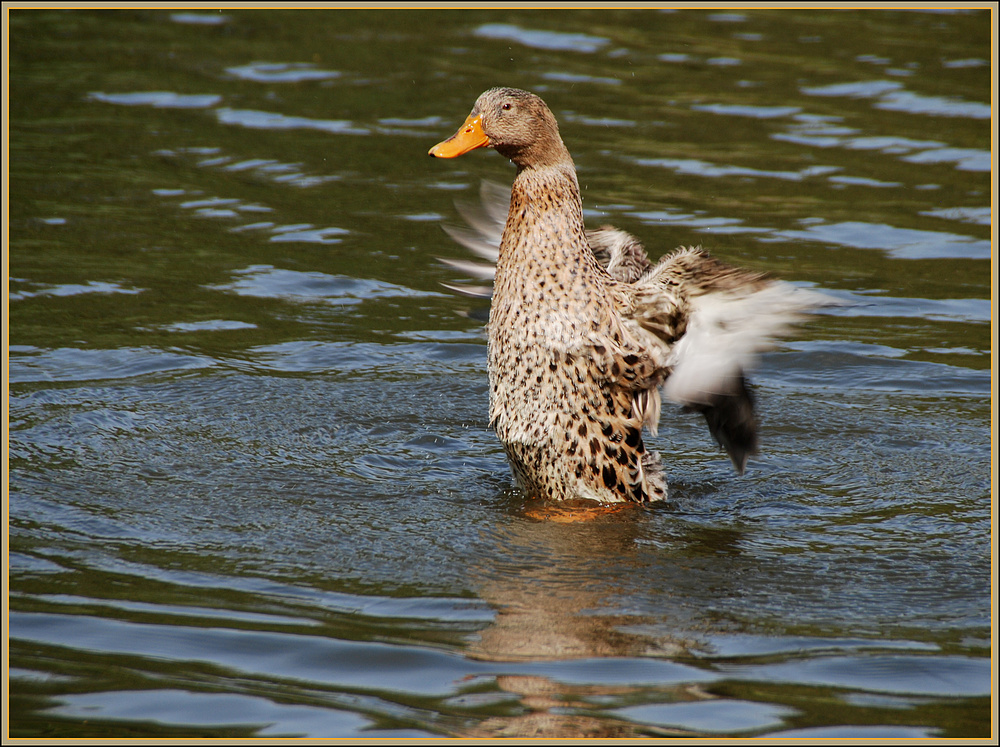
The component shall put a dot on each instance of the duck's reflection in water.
(560, 580)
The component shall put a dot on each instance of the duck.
(586, 336)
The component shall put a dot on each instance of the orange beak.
(469, 137)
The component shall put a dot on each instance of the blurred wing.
(726, 333)
(620, 253)
(717, 320)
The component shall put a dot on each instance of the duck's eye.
(506, 107)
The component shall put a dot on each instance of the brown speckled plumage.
(584, 332)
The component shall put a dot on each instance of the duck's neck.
(545, 220)
(545, 260)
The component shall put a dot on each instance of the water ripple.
(818, 133)
(899, 243)
(857, 732)
(377, 359)
(71, 289)
(372, 666)
(981, 216)
(552, 40)
(906, 675)
(159, 99)
(72, 364)
(265, 281)
(746, 110)
(704, 168)
(891, 96)
(265, 168)
(269, 718)
(710, 716)
(261, 120)
(281, 72)
(200, 19)
(941, 310)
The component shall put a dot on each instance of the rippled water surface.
(252, 487)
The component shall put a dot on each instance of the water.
(252, 488)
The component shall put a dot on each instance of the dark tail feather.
(732, 422)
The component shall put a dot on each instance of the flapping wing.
(717, 320)
(620, 253)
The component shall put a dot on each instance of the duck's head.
(516, 124)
